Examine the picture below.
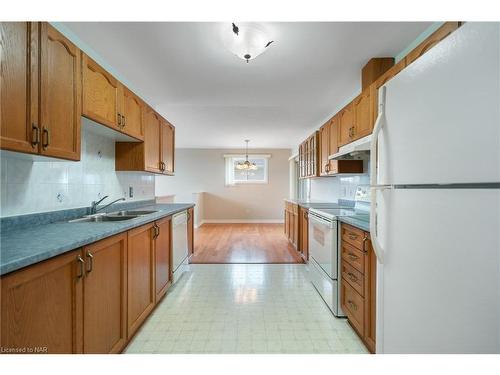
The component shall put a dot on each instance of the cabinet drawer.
(354, 306)
(355, 257)
(353, 277)
(353, 235)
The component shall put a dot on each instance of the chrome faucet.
(94, 209)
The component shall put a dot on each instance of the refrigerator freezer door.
(443, 114)
(438, 290)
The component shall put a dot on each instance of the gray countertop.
(29, 245)
(312, 203)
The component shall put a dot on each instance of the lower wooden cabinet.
(292, 223)
(105, 295)
(141, 283)
(358, 284)
(163, 261)
(41, 307)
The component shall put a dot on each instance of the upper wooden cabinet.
(60, 108)
(346, 124)
(155, 154)
(40, 90)
(132, 117)
(101, 94)
(363, 115)
(19, 52)
(309, 156)
(41, 306)
(109, 102)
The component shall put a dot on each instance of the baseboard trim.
(240, 221)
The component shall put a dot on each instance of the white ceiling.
(216, 100)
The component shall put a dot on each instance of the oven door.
(323, 244)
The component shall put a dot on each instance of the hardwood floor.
(243, 243)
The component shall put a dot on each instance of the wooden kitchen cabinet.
(140, 276)
(190, 230)
(292, 223)
(101, 94)
(155, 154)
(105, 295)
(19, 51)
(60, 95)
(363, 115)
(309, 154)
(132, 117)
(41, 306)
(328, 136)
(346, 124)
(358, 285)
(163, 261)
(167, 137)
(40, 90)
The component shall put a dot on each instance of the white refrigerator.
(435, 217)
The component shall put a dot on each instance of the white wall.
(37, 186)
(203, 170)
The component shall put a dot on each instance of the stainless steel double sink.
(113, 216)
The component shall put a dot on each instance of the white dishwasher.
(179, 244)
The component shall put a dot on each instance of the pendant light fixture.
(246, 165)
(245, 41)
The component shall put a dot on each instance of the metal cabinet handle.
(327, 167)
(157, 231)
(353, 256)
(35, 135)
(365, 238)
(352, 276)
(80, 260)
(305, 215)
(119, 120)
(188, 215)
(353, 236)
(123, 121)
(91, 261)
(46, 138)
(352, 304)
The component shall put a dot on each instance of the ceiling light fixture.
(246, 42)
(246, 165)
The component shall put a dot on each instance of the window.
(236, 176)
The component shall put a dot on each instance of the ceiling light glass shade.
(249, 43)
(246, 165)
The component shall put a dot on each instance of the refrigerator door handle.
(379, 123)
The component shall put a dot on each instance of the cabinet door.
(324, 141)
(363, 115)
(101, 94)
(152, 124)
(346, 123)
(42, 306)
(304, 232)
(105, 296)
(60, 95)
(295, 230)
(163, 245)
(140, 276)
(190, 230)
(167, 147)
(19, 86)
(132, 114)
(333, 147)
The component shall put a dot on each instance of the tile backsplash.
(37, 186)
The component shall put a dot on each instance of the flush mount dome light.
(246, 42)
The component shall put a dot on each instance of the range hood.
(359, 149)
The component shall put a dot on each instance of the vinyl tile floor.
(244, 308)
